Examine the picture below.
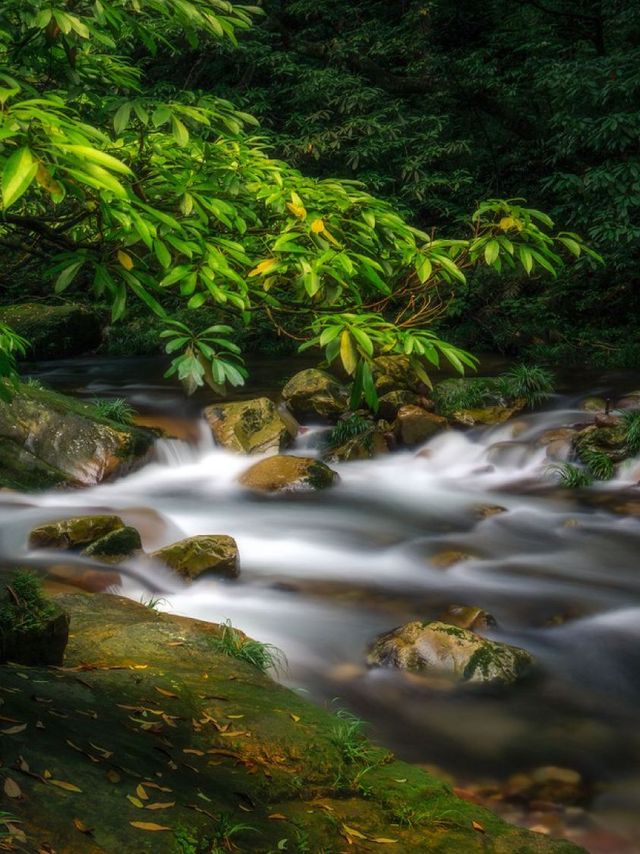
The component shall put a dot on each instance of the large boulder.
(440, 648)
(394, 372)
(389, 404)
(33, 629)
(284, 473)
(315, 394)
(54, 331)
(209, 554)
(487, 415)
(249, 426)
(74, 533)
(49, 439)
(415, 425)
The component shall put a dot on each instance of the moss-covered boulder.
(178, 743)
(440, 648)
(415, 425)
(249, 426)
(487, 415)
(75, 533)
(49, 439)
(54, 331)
(33, 629)
(364, 446)
(208, 554)
(315, 394)
(610, 442)
(284, 473)
(115, 547)
(390, 403)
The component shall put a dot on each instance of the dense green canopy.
(127, 182)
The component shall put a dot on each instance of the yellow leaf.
(277, 816)
(166, 693)
(381, 840)
(125, 259)
(234, 733)
(12, 789)
(263, 267)
(477, 826)
(148, 825)
(157, 786)
(136, 802)
(14, 730)
(348, 353)
(235, 717)
(317, 226)
(81, 826)
(508, 222)
(140, 792)
(351, 831)
(297, 210)
(161, 805)
(62, 784)
(293, 717)
(330, 237)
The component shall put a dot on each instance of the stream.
(322, 574)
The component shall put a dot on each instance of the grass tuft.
(233, 643)
(571, 476)
(117, 410)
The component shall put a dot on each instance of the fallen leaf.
(381, 840)
(193, 751)
(293, 717)
(11, 788)
(235, 717)
(14, 730)
(113, 776)
(62, 784)
(135, 801)
(399, 779)
(82, 827)
(166, 693)
(148, 825)
(140, 792)
(477, 826)
(234, 734)
(157, 786)
(161, 805)
(277, 816)
(351, 831)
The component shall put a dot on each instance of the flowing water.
(322, 574)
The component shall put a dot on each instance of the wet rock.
(415, 425)
(449, 557)
(467, 617)
(365, 446)
(315, 394)
(75, 533)
(631, 400)
(610, 441)
(437, 647)
(487, 415)
(33, 629)
(509, 453)
(390, 403)
(285, 473)
(394, 372)
(213, 554)
(249, 426)
(115, 547)
(486, 511)
(603, 420)
(66, 577)
(548, 784)
(54, 331)
(593, 404)
(48, 439)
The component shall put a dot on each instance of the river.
(322, 574)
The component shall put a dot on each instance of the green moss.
(117, 544)
(25, 608)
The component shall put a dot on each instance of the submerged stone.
(77, 532)
(249, 426)
(440, 648)
(284, 473)
(315, 394)
(209, 554)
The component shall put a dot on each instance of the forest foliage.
(127, 176)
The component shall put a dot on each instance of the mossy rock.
(364, 446)
(75, 533)
(249, 426)
(49, 439)
(213, 554)
(33, 629)
(116, 546)
(439, 648)
(610, 441)
(487, 415)
(315, 394)
(415, 425)
(144, 726)
(284, 473)
(54, 331)
(390, 403)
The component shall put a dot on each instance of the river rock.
(631, 400)
(449, 557)
(549, 784)
(364, 446)
(390, 403)
(315, 394)
(285, 473)
(593, 404)
(115, 547)
(439, 648)
(611, 441)
(33, 629)
(75, 533)
(487, 415)
(209, 554)
(394, 372)
(49, 439)
(54, 331)
(249, 426)
(415, 425)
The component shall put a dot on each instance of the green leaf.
(67, 276)
(491, 251)
(17, 176)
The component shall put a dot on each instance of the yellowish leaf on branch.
(317, 226)
(263, 267)
(125, 259)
